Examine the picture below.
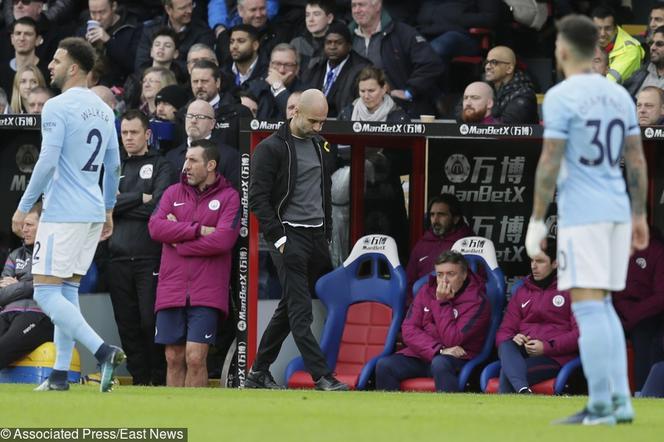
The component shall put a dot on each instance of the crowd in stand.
(204, 65)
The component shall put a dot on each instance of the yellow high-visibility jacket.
(625, 58)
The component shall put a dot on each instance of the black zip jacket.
(273, 172)
(150, 174)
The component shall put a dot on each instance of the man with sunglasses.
(651, 73)
(515, 101)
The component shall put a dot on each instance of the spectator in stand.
(444, 328)
(199, 52)
(410, 65)
(282, 80)
(154, 79)
(446, 23)
(115, 38)
(641, 307)
(168, 100)
(134, 264)
(199, 125)
(319, 14)
(336, 72)
(27, 78)
(25, 40)
(625, 52)
(219, 18)
(23, 325)
(655, 20)
(107, 97)
(254, 13)
(650, 106)
(244, 64)
(601, 62)
(51, 23)
(374, 102)
(477, 105)
(206, 85)
(4, 105)
(178, 16)
(515, 100)
(37, 97)
(197, 221)
(384, 202)
(446, 226)
(538, 334)
(652, 72)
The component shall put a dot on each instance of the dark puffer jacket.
(516, 102)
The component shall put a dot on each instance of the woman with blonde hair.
(26, 78)
(154, 79)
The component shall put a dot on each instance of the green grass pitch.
(214, 414)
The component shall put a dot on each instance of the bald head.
(310, 114)
(477, 102)
(500, 66)
(199, 120)
(106, 95)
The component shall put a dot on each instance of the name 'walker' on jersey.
(78, 135)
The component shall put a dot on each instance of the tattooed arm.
(637, 183)
(546, 175)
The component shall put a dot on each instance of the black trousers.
(646, 339)
(22, 332)
(133, 285)
(306, 256)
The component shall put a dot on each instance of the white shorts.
(594, 256)
(65, 249)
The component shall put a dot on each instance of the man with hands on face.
(444, 328)
(538, 334)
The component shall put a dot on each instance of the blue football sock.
(618, 368)
(66, 316)
(64, 343)
(594, 342)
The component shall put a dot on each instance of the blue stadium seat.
(89, 280)
(364, 299)
(481, 256)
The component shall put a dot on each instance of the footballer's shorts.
(65, 249)
(179, 325)
(594, 256)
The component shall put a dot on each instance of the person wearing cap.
(336, 73)
(168, 100)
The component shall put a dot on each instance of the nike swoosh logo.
(208, 336)
(423, 258)
(426, 309)
(523, 305)
(122, 176)
(178, 204)
(155, 273)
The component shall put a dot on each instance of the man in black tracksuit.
(290, 195)
(23, 325)
(134, 267)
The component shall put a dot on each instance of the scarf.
(361, 113)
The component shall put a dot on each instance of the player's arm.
(637, 183)
(546, 175)
(111, 183)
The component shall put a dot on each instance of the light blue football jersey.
(78, 136)
(594, 116)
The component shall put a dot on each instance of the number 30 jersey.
(78, 136)
(594, 116)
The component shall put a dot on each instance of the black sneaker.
(261, 379)
(330, 383)
(586, 417)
